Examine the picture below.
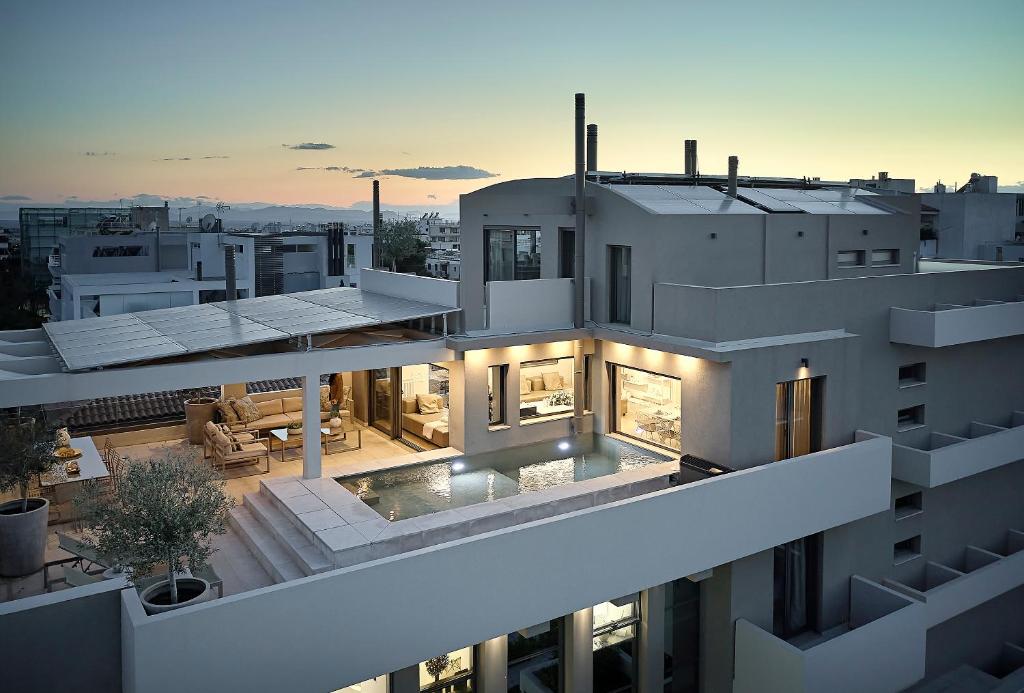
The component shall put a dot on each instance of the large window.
(567, 253)
(682, 636)
(512, 254)
(452, 672)
(648, 406)
(496, 378)
(424, 411)
(535, 658)
(546, 388)
(615, 653)
(619, 283)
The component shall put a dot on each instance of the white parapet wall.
(952, 325)
(442, 292)
(883, 650)
(532, 305)
(340, 627)
(957, 460)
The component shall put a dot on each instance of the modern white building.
(754, 446)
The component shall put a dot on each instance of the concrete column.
(492, 665)
(651, 640)
(405, 680)
(311, 426)
(578, 668)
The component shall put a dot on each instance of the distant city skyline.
(302, 103)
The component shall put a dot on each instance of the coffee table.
(284, 435)
(341, 433)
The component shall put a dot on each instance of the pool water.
(421, 489)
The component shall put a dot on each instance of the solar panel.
(131, 337)
(683, 199)
(765, 199)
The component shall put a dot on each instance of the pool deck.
(344, 531)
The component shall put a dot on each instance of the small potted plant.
(26, 451)
(295, 429)
(160, 512)
(199, 408)
(560, 398)
(335, 418)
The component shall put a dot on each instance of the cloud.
(460, 172)
(15, 198)
(431, 197)
(1017, 187)
(331, 169)
(190, 158)
(309, 145)
(99, 153)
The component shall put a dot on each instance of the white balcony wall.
(990, 575)
(427, 289)
(956, 324)
(532, 305)
(330, 630)
(884, 650)
(949, 461)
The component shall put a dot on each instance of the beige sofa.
(534, 389)
(281, 408)
(416, 423)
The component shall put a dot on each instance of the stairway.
(276, 542)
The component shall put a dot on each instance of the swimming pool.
(421, 489)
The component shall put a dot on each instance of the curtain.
(793, 419)
(795, 586)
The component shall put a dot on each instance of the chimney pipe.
(690, 157)
(375, 260)
(579, 235)
(592, 147)
(734, 164)
(230, 285)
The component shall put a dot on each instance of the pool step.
(268, 551)
(301, 550)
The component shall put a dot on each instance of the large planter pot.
(156, 599)
(23, 537)
(198, 412)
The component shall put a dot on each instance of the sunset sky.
(102, 100)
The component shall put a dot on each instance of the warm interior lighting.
(564, 445)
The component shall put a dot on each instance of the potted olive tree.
(199, 408)
(26, 450)
(160, 512)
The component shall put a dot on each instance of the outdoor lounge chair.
(229, 452)
(83, 557)
(210, 431)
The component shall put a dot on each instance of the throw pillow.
(227, 412)
(552, 381)
(537, 383)
(409, 405)
(325, 398)
(429, 404)
(524, 385)
(247, 410)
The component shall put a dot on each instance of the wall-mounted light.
(804, 363)
(713, 235)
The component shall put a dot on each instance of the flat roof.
(132, 337)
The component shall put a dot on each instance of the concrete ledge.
(948, 325)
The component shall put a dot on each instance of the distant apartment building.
(973, 221)
(98, 274)
(442, 235)
(41, 228)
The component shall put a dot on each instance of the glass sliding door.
(798, 417)
(382, 399)
(451, 672)
(512, 254)
(797, 586)
(619, 283)
(423, 418)
(535, 658)
(647, 406)
(615, 646)
(682, 636)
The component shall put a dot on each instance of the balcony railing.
(880, 648)
(943, 457)
(949, 324)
